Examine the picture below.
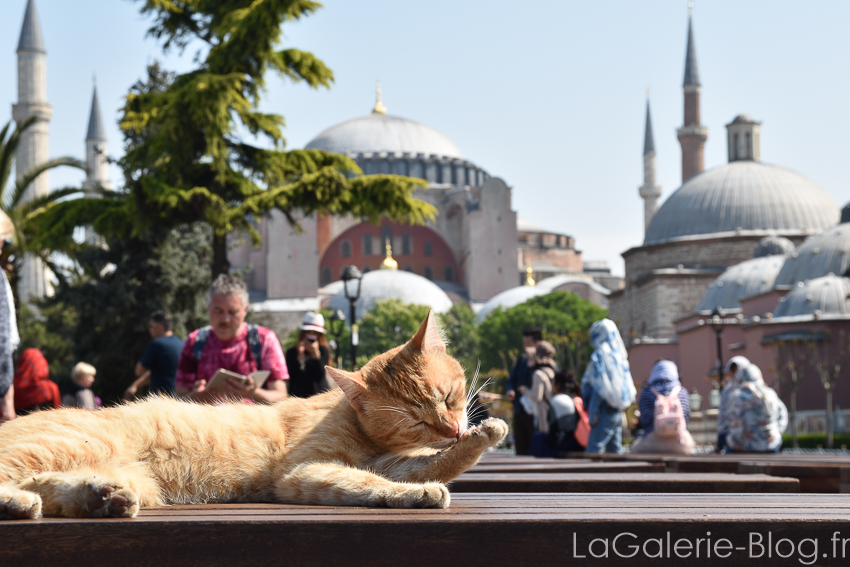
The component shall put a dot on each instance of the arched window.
(367, 244)
(386, 234)
(735, 148)
(429, 273)
(406, 245)
(326, 275)
(749, 149)
(428, 248)
(345, 249)
(448, 274)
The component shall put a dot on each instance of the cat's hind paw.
(19, 504)
(428, 495)
(106, 500)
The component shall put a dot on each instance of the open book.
(218, 380)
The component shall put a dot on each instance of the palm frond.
(23, 182)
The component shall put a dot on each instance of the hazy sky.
(547, 95)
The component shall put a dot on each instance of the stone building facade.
(713, 221)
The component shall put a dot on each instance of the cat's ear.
(427, 338)
(350, 384)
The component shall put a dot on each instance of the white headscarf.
(608, 372)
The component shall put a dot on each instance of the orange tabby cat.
(391, 435)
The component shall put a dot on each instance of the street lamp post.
(717, 325)
(337, 321)
(351, 280)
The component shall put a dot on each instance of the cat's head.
(411, 396)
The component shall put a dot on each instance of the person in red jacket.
(34, 390)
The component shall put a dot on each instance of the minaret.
(649, 191)
(692, 135)
(35, 143)
(96, 149)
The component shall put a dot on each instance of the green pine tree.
(203, 151)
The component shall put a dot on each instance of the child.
(79, 394)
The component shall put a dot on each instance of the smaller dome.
(744, 119)
(826, 296)
(391, 284)
(819, 255)
(520, 294)
(773, 245)
(742, 280)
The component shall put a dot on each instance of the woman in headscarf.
(664, 382)
(757, 417)
(607, 388)
(34, 390)
(735, 365)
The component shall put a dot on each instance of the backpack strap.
(255, 344)
(200, 343)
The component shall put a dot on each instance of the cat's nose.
(453, 430)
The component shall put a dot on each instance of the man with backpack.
(231, 344)
(664, 413)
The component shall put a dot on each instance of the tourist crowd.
(555, 415)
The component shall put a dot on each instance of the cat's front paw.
(428, 495)
(495, 429)
(19, 504)
(489, 433)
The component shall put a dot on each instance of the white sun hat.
(313, 322)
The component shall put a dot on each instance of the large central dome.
(378, 133)
(743, 195)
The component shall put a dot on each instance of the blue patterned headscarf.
(608, 372)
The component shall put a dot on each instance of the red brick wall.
(416, 261)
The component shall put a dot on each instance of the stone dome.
(825, 297)
(390, 284)
(382, 144)
(520, 294)
(819, 255)
(379, 133)
(773, 245)
(747, 197)
(742, 280)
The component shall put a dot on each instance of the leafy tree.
(108, 301)
(196, 153)
(461, 331)
(24, 214)
(565, 319)
(390, 323)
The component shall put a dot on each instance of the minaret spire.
(34, 148)
(96, 147)
(692, 135)
(649, 191)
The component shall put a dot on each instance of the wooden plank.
(478, 530)
(813, 477)
(555, 467)
(622, 482)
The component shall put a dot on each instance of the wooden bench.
(567, 467)
(704, 483)
(486, 530)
